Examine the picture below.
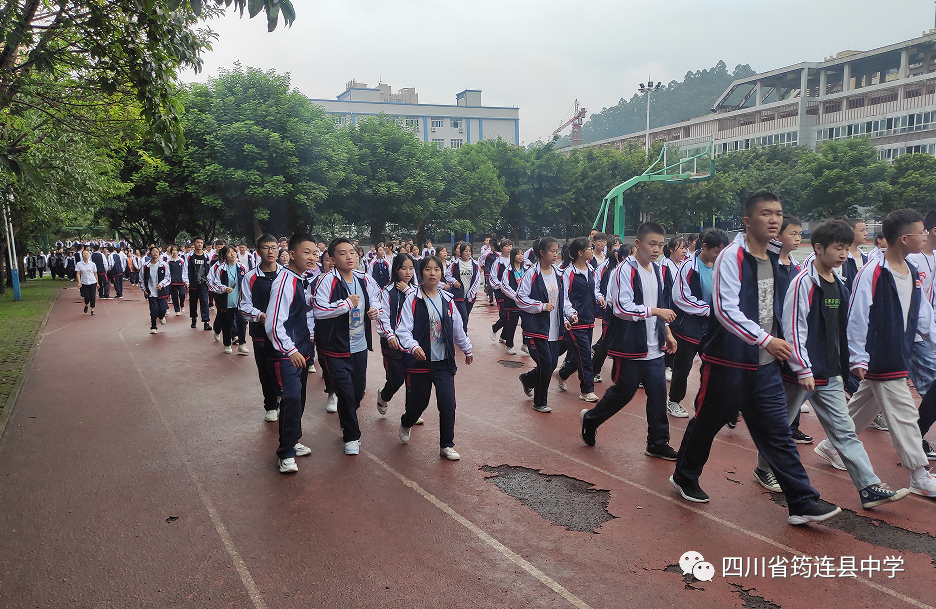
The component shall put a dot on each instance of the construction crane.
(576, 121)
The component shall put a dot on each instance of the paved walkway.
(136, 471)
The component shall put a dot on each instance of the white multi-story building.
(887, 94)
(466, 122)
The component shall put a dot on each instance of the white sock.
(919, 474)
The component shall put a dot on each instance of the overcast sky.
(542, 55)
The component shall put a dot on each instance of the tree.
(913, 183)
(844, 176)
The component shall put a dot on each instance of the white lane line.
(252, 590)
(686, 506)
(485, 537)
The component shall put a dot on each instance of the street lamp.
(648, 89)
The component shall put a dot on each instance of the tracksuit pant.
(396, 376)
(464, 309)
(501, 314)
(579, 358)
(226, 320)
(268, 382)
(601, 349)
(177, 291)
(348, 379)
(157, 307)
(419, 386)
(758, 395)
(627, 375)
(511, 319)
(923, 372)
(117, 280)
(198, 295)
(292, 384)
(103, 286)
(682, 366)
(900, 413)
(545, 354)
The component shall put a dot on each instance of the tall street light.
(648, 89)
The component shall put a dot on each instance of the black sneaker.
(877, 494)
(207, 326)
(930, 453)
(588, 435)
(732, 424)
(801, 438)
(86, 310)
(527, 390)
(815, 514)
(690, 493)
(661, 451)
(767, 480)
(193, 323)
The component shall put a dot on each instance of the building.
(449, 126)
(888, 94)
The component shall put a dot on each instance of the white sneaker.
(352, 448)
(675, 409)
(589, 397)
(177, 313)
(420, 421)
(332, 404)
(493, 337)
(805, 407)
(597, 378)
(449, 453)
(405, 434)
(162, 321)
(243, 349)
(560, 383)
(228, 349)
(217, 337)
(511, 351)
(381, 405)
(668, 374)
(878, 423)
(925, 487)
(312, 368)
(302, 450)
(271, 415)
(288, 466)
(152, 330)
(825, 450)
(524, 349)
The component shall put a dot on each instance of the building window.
(439, 143)
(456, 123)
(436, 123)
(456, 143)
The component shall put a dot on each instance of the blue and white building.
(448, 126)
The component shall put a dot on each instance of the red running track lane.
(117, 430)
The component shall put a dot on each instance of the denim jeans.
(922, 367)
(829, 404)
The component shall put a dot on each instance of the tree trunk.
(376, 231)
(257, 231)
(421, 235)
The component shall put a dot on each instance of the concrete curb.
(11, 401)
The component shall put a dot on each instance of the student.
(637, 338)
(429, 330)
(245, 257)
(497, 270)
(391, 305)
(603, 274)
(283, 258)
(509, 283)
(115, 270)
(379, 267)
(225, 280)
(674, 254)
(880, 244)
(692, 243)
(544, 312)
(155, 284)
(345, 301)
(87, 280)
(464, 277)
(254, 300)
(692, 300)
(886, 310)
(599, 246)
(428, 250)
(487, 261)
(326, 265)
(585, 299)
(195, 277)
(100, 261)
(856, 258)
(177, 284)
(739, 366)
(290, 333)
(815, 319)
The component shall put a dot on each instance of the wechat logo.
(692, 563)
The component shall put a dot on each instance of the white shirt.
(153, 284)
(904, 292)
(87, 273)
(649, 285)
(552, 288)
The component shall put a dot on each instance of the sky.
(541, 56)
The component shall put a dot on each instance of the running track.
(116, 431)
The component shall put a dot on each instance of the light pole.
(648, 89)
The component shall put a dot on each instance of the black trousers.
(628, 374)
(579, 358)
(546, 355)
(227, 320)
(348, 379)
(292, 383)
(87, 293)
(198, 295)
(117, 280)
(268, 383)
(177, 291)
(103, 286)
(601, 349)
(682, 366)
(419, 386)
(511, 319)
(464, 309)
(157, 307)
(396, 376)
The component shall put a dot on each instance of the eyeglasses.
(923, 234)
(267, 248)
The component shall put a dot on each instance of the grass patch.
(19, 324)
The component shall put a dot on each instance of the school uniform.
(195, 274)
(100, 261)
(738, 374)
(600, 349)
(428, 251)
(510, 283)
(636, 342)
(692, 298)
(290, 328)
(254, 300)
(487, 261)
(344, 338)
(435, 326)
(497, 270)
(228, 317)
(542, 329)
(155, 284)
(468, 275)
(379, 270)
(388, 319)
(177, 284)
(885, 312)
(582, 294)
